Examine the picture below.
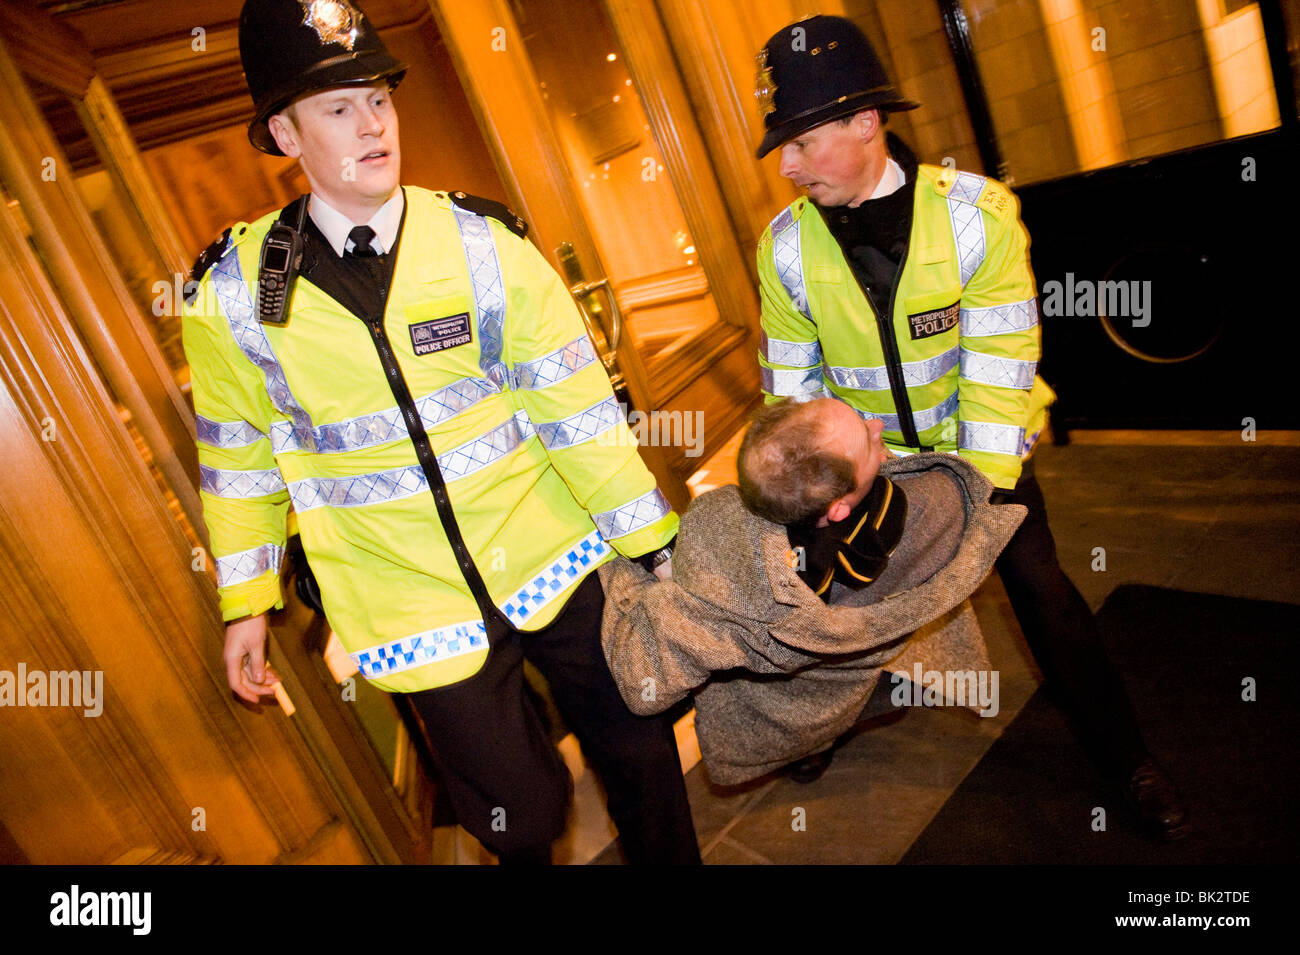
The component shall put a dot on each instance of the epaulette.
(491, 208)
(785, 218)
(210, 257)
(988, 194)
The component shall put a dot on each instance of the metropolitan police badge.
(764, 88)
(335, 21)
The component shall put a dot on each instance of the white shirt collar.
(890, 181)
(335, 226)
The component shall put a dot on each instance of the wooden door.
(593, 132)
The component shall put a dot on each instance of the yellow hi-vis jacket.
(965, 320)
(542, 475)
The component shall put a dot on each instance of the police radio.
(281, 259)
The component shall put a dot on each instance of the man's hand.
(245, 657)
(665, 570)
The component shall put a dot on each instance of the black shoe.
(1153, 797)
(810, 768)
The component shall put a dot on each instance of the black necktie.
(360, 238)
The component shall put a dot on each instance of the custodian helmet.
(292, 47)
(815, 70)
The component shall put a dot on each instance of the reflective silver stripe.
(398, 483)
(789, 265)
(995, 438)
(482, 451)
(991, 370)
(792, 382)
(248, 564)
(967, 223)
(580, 427)
(968, 230)
(558, 365)
(356, 491)
(923, 420)
(915, 373)
(226, 434)
(967, 187)
(429, 646)
(388, 425)
(632, 516)
(232, 293)
(489, 292)
(548, 584)
(239, 484)
(999, 319)
(799, 354)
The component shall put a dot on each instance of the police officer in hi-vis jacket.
(904, 290)
(405, 371)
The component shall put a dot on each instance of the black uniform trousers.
(1062, 634)
(504, 778)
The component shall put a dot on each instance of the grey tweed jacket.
(779, 674)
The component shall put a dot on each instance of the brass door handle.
(581, 291)
(606, 342)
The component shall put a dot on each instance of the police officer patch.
(935, 321)
(439, 334)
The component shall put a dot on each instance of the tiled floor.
(1218, 517)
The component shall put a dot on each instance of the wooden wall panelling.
(654, 72)
(45, 48)
(723, 108)
(100, 579)
(117, 149)
(512, 118)
(81, 269)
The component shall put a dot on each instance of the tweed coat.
(778, 674)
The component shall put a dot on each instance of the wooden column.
(34, 170)
(99, 578)
(653, 68)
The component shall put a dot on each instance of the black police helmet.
(815, 70)
(293, 47)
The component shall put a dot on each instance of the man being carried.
(783, 581)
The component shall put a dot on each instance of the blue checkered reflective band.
(633, 515)
(576, 562)
(240, 484)
(419, 649)
(993, 438)
(227, 279)
(489, 292)
(248, 564)
(993, 370)
(556, 366)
